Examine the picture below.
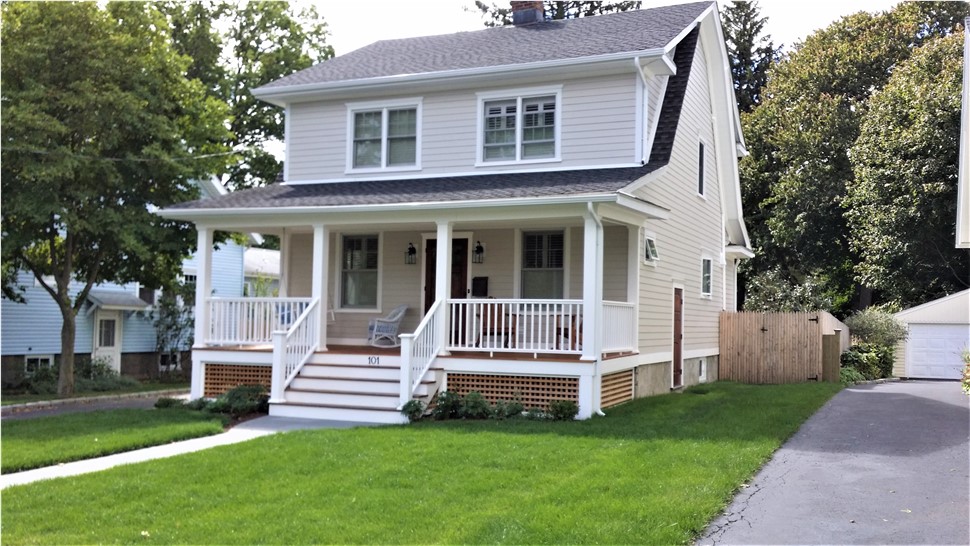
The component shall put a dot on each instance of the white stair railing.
(292, 348)
(619, 327)
(419, 350)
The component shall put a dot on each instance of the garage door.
(933, 350)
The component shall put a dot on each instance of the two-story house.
(556, 203)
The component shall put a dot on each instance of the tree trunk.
(65, 380)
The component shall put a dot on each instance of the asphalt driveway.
(883, 463)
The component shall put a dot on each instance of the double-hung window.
(542, 265)
(523, 127)
(384, 136)
(359, 273)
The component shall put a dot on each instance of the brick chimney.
(527, 13)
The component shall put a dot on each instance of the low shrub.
(166, 402)
(447, 406)
(536, 414)
(474, 406)
(965, 382)
(563, 410)
(245, 399)
(850, 376)
(198, 404)
(413, 410)
(506, 410)
(872, 361)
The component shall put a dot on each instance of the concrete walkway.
(261, 426)
(879, 464)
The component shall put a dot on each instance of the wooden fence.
(780, 347)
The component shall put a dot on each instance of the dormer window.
(523, 127)
(384, 136)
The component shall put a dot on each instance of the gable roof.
(952, 309)
(512, 185)
(627, 32)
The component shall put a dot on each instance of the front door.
(678, 378)
(107, 337)
(459, 270)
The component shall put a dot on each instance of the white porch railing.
(293, 347)
(516, 326)
(619, 327)
(251, 321)
(419, 350)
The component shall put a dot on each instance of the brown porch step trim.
(367, 379)
(354, 393)
(340, 406)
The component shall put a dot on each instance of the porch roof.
(412, 192)
(116, 300)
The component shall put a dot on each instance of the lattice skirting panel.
(616, 388)
(530, 391)
(219, 378)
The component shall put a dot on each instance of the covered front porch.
(545, 291)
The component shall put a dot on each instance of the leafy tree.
(798, 138)
(750, 52)
(771, 291)
(238, 46)
(100, 127)
(902, 201)
(496, 16)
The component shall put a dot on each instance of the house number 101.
(373, 361)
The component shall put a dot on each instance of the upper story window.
(384, 136)
(543, 257)
(519, 126)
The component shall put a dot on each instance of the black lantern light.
(411, 255)
(478, 256)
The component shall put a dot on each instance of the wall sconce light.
(411, 255)
(478, 256)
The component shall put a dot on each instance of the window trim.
(353, 108)
(707, 262)
(520, 266)
(649, 258)
(48, 357)
(338, 303)
(518, 95)
(701, 159)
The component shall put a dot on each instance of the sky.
(361, 22)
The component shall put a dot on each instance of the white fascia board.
(738, 252)
(648, 209)
(202, 214)
(280, 95)
(377, 177)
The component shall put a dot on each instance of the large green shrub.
(474, 406)
(448, 406)
(877, 327)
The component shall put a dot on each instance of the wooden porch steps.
(349, 392)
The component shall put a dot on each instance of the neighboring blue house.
(113, 323)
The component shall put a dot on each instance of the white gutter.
(283, 92)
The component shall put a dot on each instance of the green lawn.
(9, 399)
(654, 471)
(45, 441)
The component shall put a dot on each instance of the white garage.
(939, 332)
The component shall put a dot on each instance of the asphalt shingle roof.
(481, 187)
(630, 31)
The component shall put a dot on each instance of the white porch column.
(284, 262)
(592, 286)
(443, 279)
(321, 249)
(203, 291)
(634, 260)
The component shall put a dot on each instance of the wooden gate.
(771, 347)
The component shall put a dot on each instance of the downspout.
(598, 337)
